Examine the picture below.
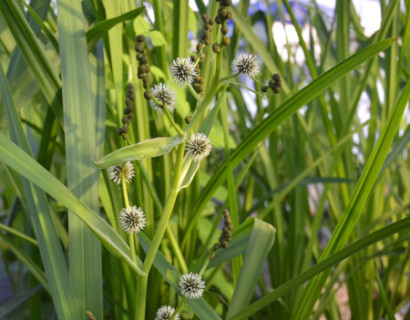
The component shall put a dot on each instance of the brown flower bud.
(216, 48)
(188, 119)
(139, 47)
(140, 38)
(276, 77)
(227, 41)
(199, 47)
(148, 95)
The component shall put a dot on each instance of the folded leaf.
(145, 149)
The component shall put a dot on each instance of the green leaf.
(157, 38)
(102, 27)
(80, 147)
(352, 212)
(33, 53)
(35, 201)
(329, 262)
(188, 171)
(142, 150)
(17, 302)
(141, 26)
(259, 245)
(17, 159)
(283, 112)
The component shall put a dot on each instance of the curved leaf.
(142, 150)
(97, 31)
(20, 161)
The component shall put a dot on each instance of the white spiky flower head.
(132, 219)
(192, 286)
(245, 64)
(183, 70)
(199, 146)
(165, 95)
(165, 313)
(115, 173)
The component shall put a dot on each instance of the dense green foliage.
(318, 197)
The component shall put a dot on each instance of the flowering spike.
(192, 286)
(132, 219)
(183, 70)
(245, 64)
(115, 172)
(199, 146)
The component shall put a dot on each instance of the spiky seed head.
(132, 219)
(165, 313)
(199, 146)
(115, 172)
(245, 64)
(183, 70)
(165, 95)
(192, 286)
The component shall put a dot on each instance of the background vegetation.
(318, 196)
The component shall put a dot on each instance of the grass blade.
(37, 204)
(322, 266)
(260, 243)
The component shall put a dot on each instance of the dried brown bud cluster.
(226, 235)
(143, 66)
(274, 84)
(198, 81)
(128, 112)
(209, 22)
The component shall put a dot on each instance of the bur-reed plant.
(161, 162)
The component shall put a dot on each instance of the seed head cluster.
(192, 286)
(143, 66)
(199, 146)
(165, 96)
(226, 235)
(115, 173)
(165, 313)
(132, 219)
(183, 70)
(128, 112)
(245, 64)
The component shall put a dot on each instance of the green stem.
(209, 96)
(180, 305)
(194, 94)
(162, 225)
(232, 75)
(205, 265)
(177, 250)
(257, 81)
(142, 282)
(176, 127)
(141, 292)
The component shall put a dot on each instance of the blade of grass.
(96, 32)
(358, 199)
(282, 113)
(80, 111)
(17, 159)
(259, 245)
(37, 204)
(329, 262)
(33, 52)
